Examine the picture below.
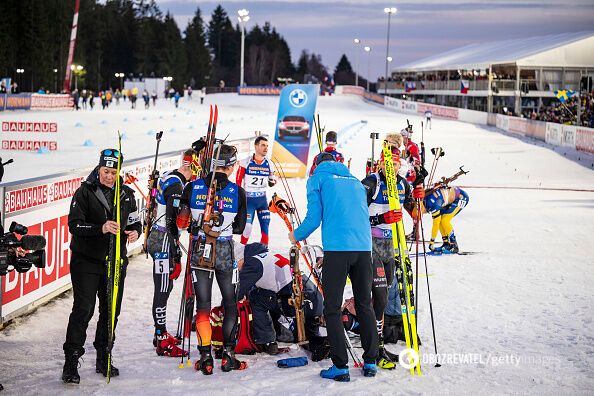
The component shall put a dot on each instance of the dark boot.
(229, 361)
(383, 360)
(70, 370)
(101, 364)
(270, 348)
(206, 362)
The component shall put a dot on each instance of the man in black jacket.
(89, 223)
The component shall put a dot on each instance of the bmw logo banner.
(294, 124)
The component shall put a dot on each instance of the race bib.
(161, 263)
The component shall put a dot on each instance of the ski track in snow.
(527, 295)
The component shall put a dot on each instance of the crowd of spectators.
(567, 113)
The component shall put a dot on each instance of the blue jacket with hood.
(338, 200)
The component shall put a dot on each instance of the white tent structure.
(516, 73)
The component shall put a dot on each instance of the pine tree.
(343, 73)
(197, 53)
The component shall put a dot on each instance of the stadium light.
(357, 42)
(389, 11)
(244, 16)
(121, 77)
(368, 50)
(389, 58)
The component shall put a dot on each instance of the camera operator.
(89, 223)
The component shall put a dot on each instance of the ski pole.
(438, 152)
(422, 145)
(356, 361)
(437, 364)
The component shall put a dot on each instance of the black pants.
(203, 287)
(86, 287)
(357, 265)
(265, 309)
(159, 242)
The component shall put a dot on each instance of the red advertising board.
(30, 127)
(29, 145)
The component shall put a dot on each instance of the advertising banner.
(260, 91)
(553, 134)
(20, 101)
(294, 127)
(53, 101)
(584, 139)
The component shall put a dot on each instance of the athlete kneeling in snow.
(265, 280)
(444, 203)
(163, 246)
(381, 219)
(215, 256)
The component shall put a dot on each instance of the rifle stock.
(296, 300)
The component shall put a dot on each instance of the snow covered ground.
(517, 317)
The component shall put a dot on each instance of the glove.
(271, 181)
(421, 174)
(176, 262)
(198, 145)
(432, 245)
(176, 271)
(418, 192)
(392, 216)
(183, 218)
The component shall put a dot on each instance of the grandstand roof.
(557, 50)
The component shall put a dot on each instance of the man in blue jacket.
(338, 201)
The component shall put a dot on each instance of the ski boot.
(270, 348)
(206, 362)
(230, 362)
(383, 360)
(369, 370)
(167, 345)
(413, 234)
(337, 374)
(70, 371)
(452, 247)
(175, 340)
(101, 364)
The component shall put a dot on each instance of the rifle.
(282, 208)
(151, 204)
(211, 218)
(445, 181)
(296, 300)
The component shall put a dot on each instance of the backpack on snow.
(245, 343)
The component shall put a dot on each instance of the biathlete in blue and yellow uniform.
(255, 175)
(212, 252)
(444, 203)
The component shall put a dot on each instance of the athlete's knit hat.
(109, 158)
(331, 137)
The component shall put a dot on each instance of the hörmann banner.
(294, 124)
